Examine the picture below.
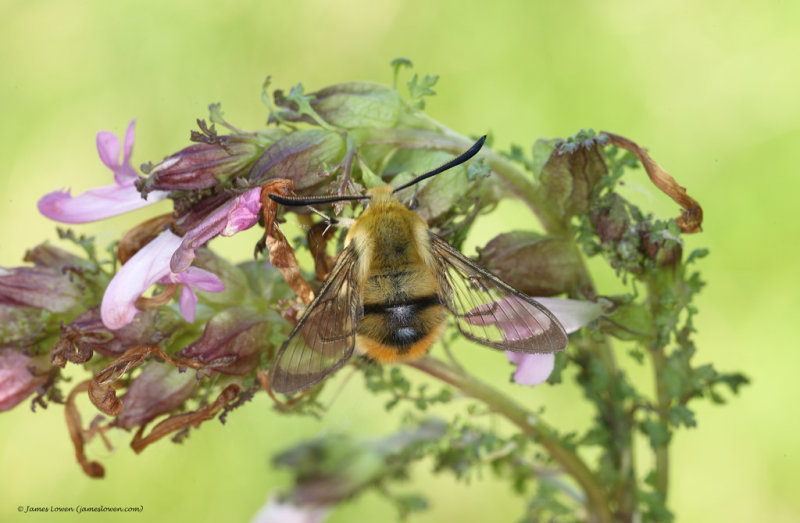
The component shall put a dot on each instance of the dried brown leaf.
(79, 438)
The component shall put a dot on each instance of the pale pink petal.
(515, 357)
(201, 279)
(193, 277)
(145, 268)
(16, 380)
(532, 369)
(108, 149)
(573, 314)
(188, 303)
(229, 218)
(95, 204)
(244, 213)
(128, 147)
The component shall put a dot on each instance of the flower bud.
(534, 264)
(159, 389)
(17, 382)
(22, 326)
(204, 165)
(41, 287)
(354, 105)
(610, 220)
(232, 341)
(571, 172)
(662, 247)
(302, 156)
(46, 255)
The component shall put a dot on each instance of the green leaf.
(420, 88)
(657, 433)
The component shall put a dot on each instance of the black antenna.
(472, 151)
(297, 201)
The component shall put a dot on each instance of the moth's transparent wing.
(491, 312)
(324, 337)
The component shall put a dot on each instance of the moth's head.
(381, 194)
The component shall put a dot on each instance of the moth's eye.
(413, 203)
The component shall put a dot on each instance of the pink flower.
(16, 380)
(533, 369)
(193, 278)
(235, 215)
(102, 202)
(148, 266)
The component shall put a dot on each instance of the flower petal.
(201, 279)
(128, 147)
(188, 303)
(532, 369)
(145, 268)
(16, 380)
(108, 149)
(573, 314)
(95, 204)
(244, 213)
(229, 218)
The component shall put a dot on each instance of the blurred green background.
(711, 88)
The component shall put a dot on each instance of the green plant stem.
(662, 451)
(656, 288)
(597, 504)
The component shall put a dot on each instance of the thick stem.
(597, 504)
(662, 451)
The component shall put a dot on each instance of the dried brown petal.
(185, 420)
(318, 236)
(93, 469)
(281, 256)
(269, 207)
(691, 218)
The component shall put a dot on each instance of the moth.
(392, 289)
